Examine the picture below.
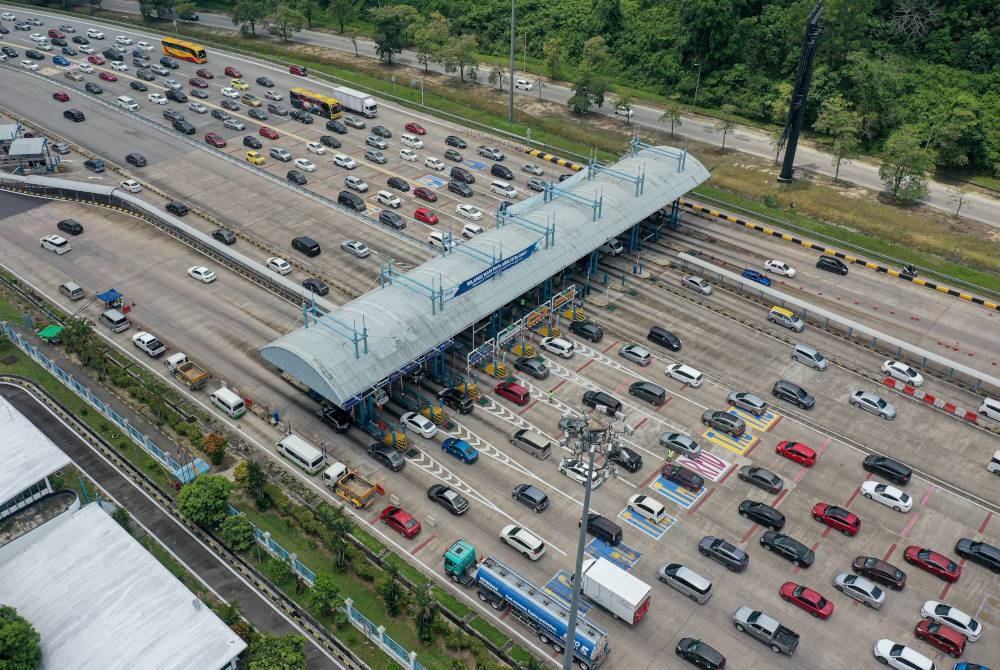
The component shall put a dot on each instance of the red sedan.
(60, 96)
(269, 133)
(425, 215)
(796, 451)
(55, 33)
(947, 640)
(96, 59)
(807, 599)
(415, 128)
(205, 74)
(215, 140)
(108, 76)
(837, 518)
(400, 521)
(230, 71)
(425, 194)
(933, 562)
(198, 82)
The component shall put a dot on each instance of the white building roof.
(26, 453)
(99, 600)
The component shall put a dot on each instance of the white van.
(128, 103)
(115, 320)
(228, 402)
(990, 408)
(436, 240)
(302, 453)
(807, 355)
(503, 188)
(333, 474)
(470, 230)
(994, 464)
(412, 141)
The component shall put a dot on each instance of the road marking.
(927, 495)
(708, 465)
(610, 347)
(738, 445)
(675, 492)
(560, 587)
(422, 545)
(854, 495)
(986, 521)
(654, 530)
(760, 423)
(624, 556)
(908, 525)
(746, 536)
(779, 498)
(889, 553)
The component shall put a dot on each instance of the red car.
(837, 518)
(60, 96)
(300, 70)
(425, 215)
(947, 640)
(807, 599)
(205, 74)
(198, 82)
(55, 33)
(415, 128)
(425, 194)
(215, 140)
(230, 71)
(796, 451)
(96, 59)
(269, 133)
(516, 393)
(933, 562)
(108, 76)
(400, 521)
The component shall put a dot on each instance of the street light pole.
(697, 82)
(513, 37)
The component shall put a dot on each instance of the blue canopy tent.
(111, 297)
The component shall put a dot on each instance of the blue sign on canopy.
(495, 269)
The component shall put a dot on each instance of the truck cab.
(459, 563)
(994, 464)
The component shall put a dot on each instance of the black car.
(172, 115)
(387, 456)
(455, 399)
(265, 82)
(982, 553)
(336, 417)
(136, 159)
(588, 330)
(3, 30)
(146, 75)
(167, 61)
(302, 117)
(34, 55)
(893, 470)
(460, 187)
(225, 236)
(176, 96)
(761, 478)
(337, 127)
(221, 115)
(138, 86)
(10, 52)
(626, 458)
(501, 171)
(456, 142)
(91, 87)
(793, 393)
(329, 141)
(230, 105)
(763, 514)
(832, 264)
(681, 475)
(399, 184)
(306, 245)
(80, 39)
(177, 208)
(532, 365)
(296, 177)
(94, 164)
(664, 338)
(448, 498)
(70, 51)
(382, 131)
(184, 126)
(723, 552)
(879, 571)
(73, 115)
(700, 654)
(112, 54)
(60, 42)
(392, 219)
(788, 548)
(317, 286)
(532, 496)
(257, 113)
(453, 155)
(70, 226)
(652, 393)
(252, 142)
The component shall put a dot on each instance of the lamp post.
(697, 82)
(513, 45)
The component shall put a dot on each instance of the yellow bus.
(184, 50)
(315, 103)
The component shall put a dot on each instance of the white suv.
(388, 199)
(558, 346)
(95, 34)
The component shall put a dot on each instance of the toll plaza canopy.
(342, 354)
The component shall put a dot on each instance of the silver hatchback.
(680, 443)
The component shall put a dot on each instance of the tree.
(185, 9)
(250, 13)
(94, 6)
(270, 652)
(958, 196)
(391, 24)
(253, 480)
(838, 119)
(553, 50)
(123, 518)
(624, 105)
(460, 54)
(496, 77)
(339, 526)
(205, 501)
(324, 597)
(286, 21)
(608, 18)
(354, 40)
(725, 125)
(158, 8)
(429, 38)
(20, 643)
(587, 92)
(672, 115)
(904, 165)
(533, 664)
(392, 591)
(424, 610)
(237, 532)
(309, 9)
(215, 447)
(595, 55)
(342, 11)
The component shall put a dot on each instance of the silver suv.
(748, 402)
(376, 142)
(376, 156)
(281, 154)
(724, 421)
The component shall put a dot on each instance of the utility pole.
(697, 83)
(797, 107)
(513, 46)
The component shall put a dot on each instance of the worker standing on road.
(552, 397)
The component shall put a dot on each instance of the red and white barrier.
(948, 407)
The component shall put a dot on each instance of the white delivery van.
(228, 402)
(990, 408)
(470, 230)
(302, 453)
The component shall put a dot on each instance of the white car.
(355, 247)
(388, 199)
(66, 28)
(871, 402)
(344, 161)
(902, 372)
(685, 374)
(889, 496)
(172, 83)
(55, 243)
(697, 284)
(234, 124)
(145, 46)
(271, 94)
(316, 148)
(38, 37)
(953, 618)
(86, 67)
(148, 343)
(531, 168)
(118, 66)
(305, 164)
(408, 155)
(131, 185)
(356, 183)
(202, 274)
(198, 108)
(124, 40)
(279, 265)
(523, 540)
(779, 268)
(94, 33)
(44, 46)
(434, 164)
(85, 49)
(29, 65)
(419, 424)
(469, 212)
(524, 85)
(157, 98)
(7, 16)
(859, 588)
(230, 92)
(558, 346)
(899, 656)
(647, 507)
(577, 471)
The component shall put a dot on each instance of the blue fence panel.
(395, 648)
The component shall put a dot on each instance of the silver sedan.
(861, 589)
(871, 402)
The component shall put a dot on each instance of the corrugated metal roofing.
(26, 453)
(399, 320)
(27, 146)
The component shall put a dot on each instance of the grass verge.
(489, 632)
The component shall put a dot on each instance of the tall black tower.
(797, 106)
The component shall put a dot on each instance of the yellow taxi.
(251, 100)
(255, 157)
(239, 85)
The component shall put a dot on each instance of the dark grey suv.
(532, 496)
(788, 548)
(587, 330)
(786, 390)
(761, 478)
(724, 421)
(387, 456)
(532, 365)
(391, 219)
(982, 553)
(724, 552)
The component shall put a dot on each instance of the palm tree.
(424, 610)
(339, 526)
(672, 115)
(123, 517)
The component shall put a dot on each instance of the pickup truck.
(186, 370)
(355, 489)
(755, 623)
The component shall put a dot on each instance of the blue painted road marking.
(623, 555)
(474, 164)
(654, 530)
(738, 445)
(676, 492)
(758, 423)
(561, 588)
(430, 180)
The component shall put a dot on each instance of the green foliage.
(424, 611)
(310, 9)
(248, 14)
(286, 21)
(215, 446)
(123, 518)
(324, 596)
(159, 9)
(237, 532)
(905, 163)
(205, 501)
(343, 11)
(253, 480)
(20, 643)
(277, 570)
(838, 119)
(268, 652)
(391, 28)
(392, 591)
(726, 125)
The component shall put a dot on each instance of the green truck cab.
(460, 563)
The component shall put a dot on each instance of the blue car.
(970, 666)
(758, 277)
(460, 449)
(61, 61)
